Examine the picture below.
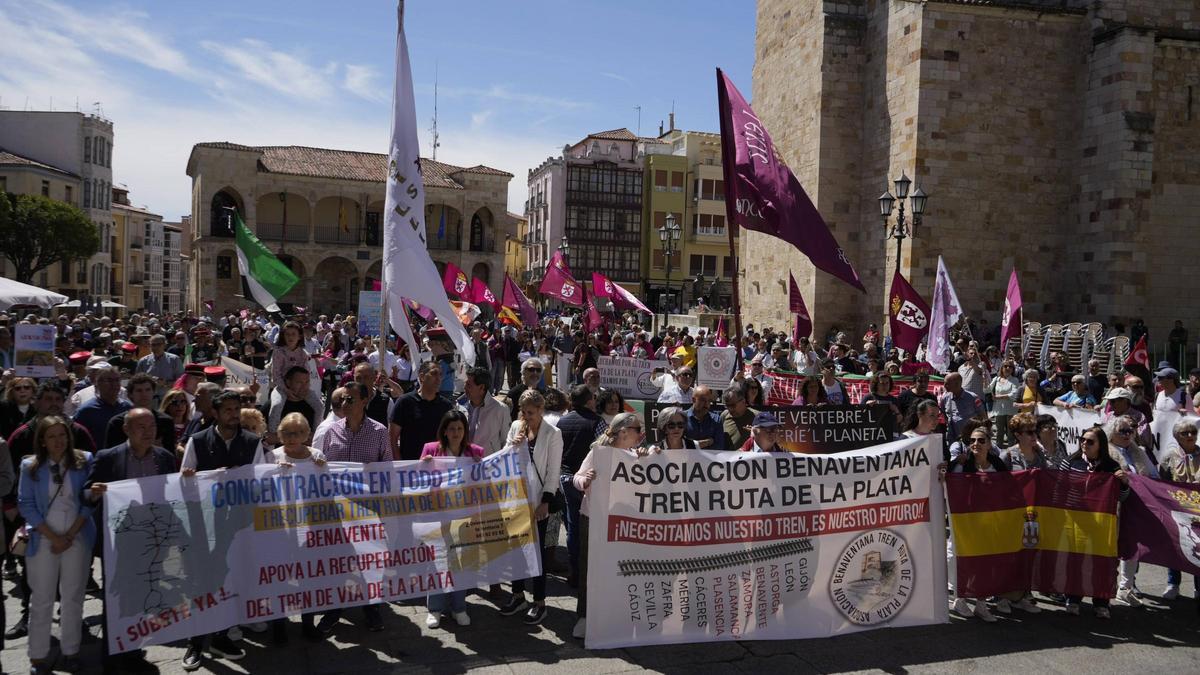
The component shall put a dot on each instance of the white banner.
(238, 374)
(630, 377)
(1162, 435)
(699, 546)
(189, 556)
(33, 353)
(715, 366)
(1072, 422)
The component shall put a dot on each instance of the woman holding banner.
(811, 392)
(1094, 456)
(545, 464)
(977, 459)
(1123, 447)
(671, 426)
(881, 393)
(623, 433)
(61, 532)
(1182, 464)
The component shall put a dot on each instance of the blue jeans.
(454, 601)
(574, 500)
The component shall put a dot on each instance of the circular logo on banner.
(645, 386)
(873, 578)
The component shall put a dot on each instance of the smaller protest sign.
(810, 429)
(370, 312)
(630, 377)
(1072, 422)
(715, 366)
(34, 350)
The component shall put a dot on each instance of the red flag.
(515, 299)
(763, 195)
(1139, 355)
(593, 320)
(1010, 323)
(558, 282)
(620, 298)
(722, 336)
(375, 285)
(803, 327)
(454, 280)
(482, 295)
(908, 314)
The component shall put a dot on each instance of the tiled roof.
(13, 159)
(621, 134)
(298, 160)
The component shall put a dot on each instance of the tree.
(37, 232)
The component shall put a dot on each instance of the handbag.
(20, 539)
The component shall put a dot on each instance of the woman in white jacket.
(545, 454)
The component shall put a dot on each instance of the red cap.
(193, 369)
(214, 371)
(129, 347)
(79, 357)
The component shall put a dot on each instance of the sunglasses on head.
(56, 474)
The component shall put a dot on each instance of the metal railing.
(334, 234)
(275, 232)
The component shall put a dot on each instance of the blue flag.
(442, 224)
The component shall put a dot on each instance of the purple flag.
(558, 282)
(1160, 524)
(803, 327)
(945, 313)
(419, 309)
(618, 296)
(1010, 323)
(592, 320)
(908, 315)
(515, 299)
(763, 195)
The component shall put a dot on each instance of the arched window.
(476, 233)
(221, 224)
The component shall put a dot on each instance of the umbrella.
(109, 304)
(67, 305)
(16, 293)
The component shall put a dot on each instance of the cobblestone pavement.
(1160, 637)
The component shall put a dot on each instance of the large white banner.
(630, 377)
(699, 546)
(1072, 422)
(189, 556)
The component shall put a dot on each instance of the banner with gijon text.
(187, 556)
(699, 546)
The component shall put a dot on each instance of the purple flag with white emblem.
(944, 314)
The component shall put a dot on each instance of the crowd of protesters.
(147, 395)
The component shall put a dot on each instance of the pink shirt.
(434, 449)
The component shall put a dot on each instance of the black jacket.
(111, 464)
(163, 424)
(579, 428)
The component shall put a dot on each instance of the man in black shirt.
(377, 406)
(579, 428)
(295, 388)
(418, 413)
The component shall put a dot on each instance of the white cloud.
(364, 82)
(481, 118)
(618, 78)
(256, 61)
(503, 93)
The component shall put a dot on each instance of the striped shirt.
(370, 443)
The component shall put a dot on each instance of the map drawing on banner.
(370, 312)
(715, 366)
(718, 546)
(629, 377)
(189, 556)
(33, 350)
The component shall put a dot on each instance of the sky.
(517, 79)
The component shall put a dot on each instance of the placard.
(370, 312)
(630, 377)
(715, 366)
(33, 353)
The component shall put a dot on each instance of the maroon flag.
(514, 299)
(592, 320)
(803, 327)
(1160, 524)
(558, 282)
(763, 195)
(908, 314)
(375, 285)
(454, 280)
(616, 294)
(419, 309)
(722, 334)
(482, 295)
(1010, 323)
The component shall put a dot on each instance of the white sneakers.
(1129, 597)
(1027, 605)
(1171, 593)
(961, 607)
(983, 613)
(434, 619)
(580, 629)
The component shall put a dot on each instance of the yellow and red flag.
(1037, 530)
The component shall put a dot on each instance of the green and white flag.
(267, 277)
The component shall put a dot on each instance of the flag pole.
(730, 212)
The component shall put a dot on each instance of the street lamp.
(565, 249)
(900, 229)
(668, 235)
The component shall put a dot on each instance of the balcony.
(443, 244)
(276, 231)
(335, 234)
(604, 237)
(136, 278)
(135, 243)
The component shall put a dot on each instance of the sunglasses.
(686, 375)
(56, 474)
(674, 425)
(1124, 430)
(533, 370)
(1089, 441)
(977, 441)
(1188, 433)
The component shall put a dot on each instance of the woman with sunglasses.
(61, 532)
(1027, 452)
(1124, 448)
(17, 407)
(671, 426)
(1182, 464)
(1003, 389)
(978, 458)
(623, 433)
(1052, 445)
(1094, 455)
(753, 391)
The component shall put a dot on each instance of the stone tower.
(1057, 136)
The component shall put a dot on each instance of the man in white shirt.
(678, 389)
(335, 413)
(488, 419)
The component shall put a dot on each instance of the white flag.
(946, 311)
(407, 268)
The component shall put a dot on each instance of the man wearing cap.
(764, 434)
(1172, 397)
(165, 368)
(216, 375)
(1119, 402)
(1078, 397)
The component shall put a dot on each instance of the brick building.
(1059, 136)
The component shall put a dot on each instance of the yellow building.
(516, 252)
(683, 178)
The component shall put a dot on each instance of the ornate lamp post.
(668, 236)
(900, 229)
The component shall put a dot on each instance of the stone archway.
(451, 239)
(280, 214)
(482, 236)
(335, 286)
(220, 220)
(483, 272)
(227, 282)
(298, 294)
